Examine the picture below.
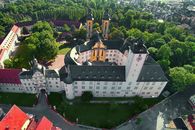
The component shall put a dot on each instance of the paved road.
(42, 109)
(170, 108)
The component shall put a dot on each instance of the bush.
(86, 96)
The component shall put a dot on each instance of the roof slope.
(14, 119)
(44, 124)
(10, 76)
(151, 72)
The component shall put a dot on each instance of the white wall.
(112, 55)
(134, 66)
(54, 84)
(17, 88)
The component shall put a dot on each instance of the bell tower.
(90, 20)
(105, 24)
(98, 52)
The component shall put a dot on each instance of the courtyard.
(101, 115)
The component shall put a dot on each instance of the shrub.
(86, 96)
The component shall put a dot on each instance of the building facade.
(107, 68)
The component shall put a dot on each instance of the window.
(105, 83)
(162, 83)
(133, 93)
(148, 92)
(75, 82)
(111, 92)
(156, 93)
(113, 83)
(83, 87)
(28, 83)
(98, 87)
(119, 87)
(145, 88)
(143, 92)
(118, 92)
(112, 87)
(98, 83)
(136, 88)
(120, 83)
(57, 86)
(129, 83)
(128, 87)
(56, 82)
(90, 87)
(151, 88)
(137, 83)
(104, 87)
(76, 87)
(126, 92)
(153, 83)
(159, 88)
(83, 82)
(148, 83)
(104, 92)
(97, 92)
(50, 86)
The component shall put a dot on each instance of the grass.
(98, 115)
(20, 99)
(64, 49)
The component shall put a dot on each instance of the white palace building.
(107, 68)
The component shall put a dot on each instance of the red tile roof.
(10, 76)
(14, 119)
(44, 124)
(15, 29)
(190, 119)
(2, 52)
(32, 125)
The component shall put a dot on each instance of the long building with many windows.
(107, 68)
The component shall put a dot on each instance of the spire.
(90, 15)
(106, 15)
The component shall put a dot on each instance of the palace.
(107, 68)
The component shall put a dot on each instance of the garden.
(102, 115)
(19, 99)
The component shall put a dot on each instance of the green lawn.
(98, 115)
(63, 49)
(20, 99)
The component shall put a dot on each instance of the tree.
(136, 33)
(66, 28)
(158, 42)
(116, 34)
(165, 63)
(80, 33)
(176, 32)
(164, 52)
(86, 96)
(42, 26)
(153, 51)
(181, 78)
(8, 63)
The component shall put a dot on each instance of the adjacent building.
(16, 119)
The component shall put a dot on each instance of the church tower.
(105, 24)
(90, 20)
(98, 53)
(136, 58)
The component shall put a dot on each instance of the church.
(107, 68)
